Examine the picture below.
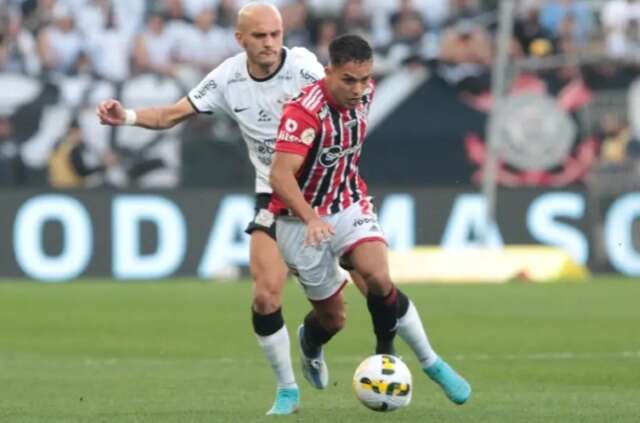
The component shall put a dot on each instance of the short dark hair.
(349, 48)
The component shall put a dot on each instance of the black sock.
(403, 304)
(267, 324)
(315, 336)
(383, 315)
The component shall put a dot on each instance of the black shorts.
(263, 220)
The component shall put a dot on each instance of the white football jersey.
(256, 104)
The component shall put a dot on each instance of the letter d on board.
(128, 212)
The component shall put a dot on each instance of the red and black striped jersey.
(330, 138)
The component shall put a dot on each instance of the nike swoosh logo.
(240, 109)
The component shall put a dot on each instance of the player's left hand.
(318, 231)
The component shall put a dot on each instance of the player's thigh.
(369, 259)
(361, 245)
(268, 269)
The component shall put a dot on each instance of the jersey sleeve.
(297, 131)
(208, 95)
(309, 69)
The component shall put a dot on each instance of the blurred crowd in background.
(61, 42)
(114, 39)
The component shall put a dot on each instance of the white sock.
(412, 332)
(277, 348)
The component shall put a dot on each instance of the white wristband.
(130, 117)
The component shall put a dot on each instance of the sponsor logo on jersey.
(207, 86)
(308, 135)
(305, 74)
(363, 221)
(263, 116)
(264, 150)
(330, 155)
(286, 136)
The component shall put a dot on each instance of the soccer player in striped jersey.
(325, 217)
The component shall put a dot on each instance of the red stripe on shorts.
(353, 246)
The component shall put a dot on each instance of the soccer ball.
(383, 383)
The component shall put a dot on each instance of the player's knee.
(378, 282)
(265, 304)
(267, 297)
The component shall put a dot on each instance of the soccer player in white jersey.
(252, 87)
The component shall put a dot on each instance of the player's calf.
(383, 311)
(318, 332)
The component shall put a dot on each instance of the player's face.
(348, 82)
(261, 38)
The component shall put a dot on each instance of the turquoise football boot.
(287, 402)
(454, 386)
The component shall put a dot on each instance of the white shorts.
(317, 268)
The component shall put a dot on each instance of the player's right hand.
(111, 112)
(318, 231)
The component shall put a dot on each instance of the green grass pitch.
(183, 351)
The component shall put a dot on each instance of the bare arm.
(283, 181)
(112, 113)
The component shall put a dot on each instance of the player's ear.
(328, 69)
(238, 36)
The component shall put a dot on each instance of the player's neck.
(263, 72)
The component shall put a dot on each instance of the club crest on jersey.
(330, 155)
(351, 123)
(324, 111)
(237, 77)
(363, 111)
(285, 76)
(307, 136)
(285, 98)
